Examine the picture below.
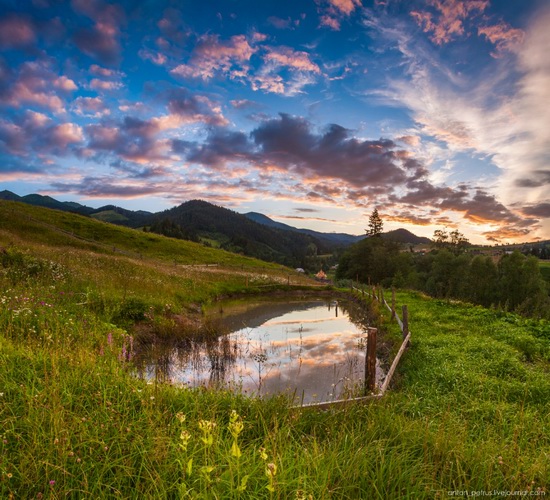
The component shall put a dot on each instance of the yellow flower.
(271, 469)
(181, 417)
(184, 437)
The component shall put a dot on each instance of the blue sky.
(311, 112)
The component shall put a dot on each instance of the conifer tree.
(375, 224)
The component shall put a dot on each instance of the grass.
(469, 409)
(545, 269)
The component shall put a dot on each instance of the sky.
(312, 112)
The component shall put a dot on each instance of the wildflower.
(270, 472)
(185, 437)
(10, 475)
(207, 428)
(271, 469)
(235, 427)
(52, 482)
(180, 416)
(263, 454)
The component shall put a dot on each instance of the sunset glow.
(311, 112)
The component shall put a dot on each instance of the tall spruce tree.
(375, 224)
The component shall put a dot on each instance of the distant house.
(321, 275)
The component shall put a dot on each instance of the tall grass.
(469, 409)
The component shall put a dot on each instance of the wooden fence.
(376, 294)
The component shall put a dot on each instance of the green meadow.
(468, 410)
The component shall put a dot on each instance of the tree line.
(513, 282)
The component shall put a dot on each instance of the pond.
(312, 349)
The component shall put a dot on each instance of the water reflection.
(313, 350)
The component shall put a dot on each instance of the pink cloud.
(35, 132)
(64, 83)
(22, 92)
(448, 20)
(333, 12)
(65, 134)
(503, 36)
(97, 84)
(101, 41)
(155, 57)
(212, 56)
(90, 106)
(297, 60)
(105, 72)
(16, 31)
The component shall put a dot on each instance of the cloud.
(282, 24)
(102, 40)
(408, 218)
(186, 107)
(65, 84)
(221, 146)
(36, 133)
(90, 106)
(296, 217)
(446, 21)
(541, 210)
(105, 72)
(132, 139)
(285, 71)
(155, 57)
(538, 178)
(290, 58)
(290, 141)
(137, 140)
(498, 118)
(102, 85)
(333, 12)
(212, 57)
(503, 36)
(305, 210)
(32, 83)
(109, 187)
(244, 104)
(16, 32)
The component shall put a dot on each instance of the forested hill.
(330, 239)
(236, 233)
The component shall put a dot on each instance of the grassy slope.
(470, 409)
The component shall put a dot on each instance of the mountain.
(238, 233)
(329, 239)
(252, 234)
(121, 216)
(404, 236)
(9, 196)
(47, 202)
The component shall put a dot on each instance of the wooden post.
(288, 280)
(405, 321)
(381, 296)
(393, 303)
(370, 361)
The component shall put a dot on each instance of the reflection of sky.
(317, 354)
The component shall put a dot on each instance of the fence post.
(405, 321)
(381, 295)
(370, 361)
(393, 303)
